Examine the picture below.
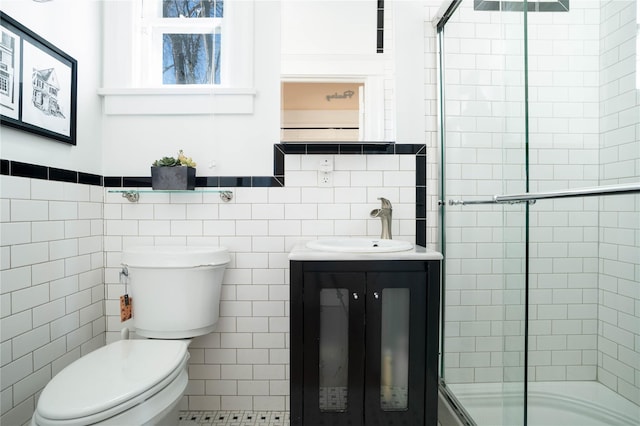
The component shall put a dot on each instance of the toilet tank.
(175, 290)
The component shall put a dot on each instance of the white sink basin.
(359, 245)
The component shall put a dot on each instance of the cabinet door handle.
(376, 295)
(355, 296)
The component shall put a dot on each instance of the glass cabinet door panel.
(334, 349)
(394, 349)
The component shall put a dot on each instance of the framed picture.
(38, 84)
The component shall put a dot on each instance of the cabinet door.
(395, 371)
(333, 348)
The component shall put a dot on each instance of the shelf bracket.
(132, 196)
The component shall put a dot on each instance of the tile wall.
(619, 233)
(52, 285)
(61, 243)
(583, 127)
(244, 364)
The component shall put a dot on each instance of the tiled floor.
(234, 418)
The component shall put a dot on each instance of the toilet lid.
(110, 376)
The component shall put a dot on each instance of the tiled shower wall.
(583, 132)
(52, 292)
(563, 149)
(244, 364)
(619, 234)
(486, 156)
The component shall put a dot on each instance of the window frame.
(125, 93)
(151, 29)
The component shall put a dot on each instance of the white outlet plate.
(325, 179)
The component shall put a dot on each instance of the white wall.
(82, 41)
(240, 142)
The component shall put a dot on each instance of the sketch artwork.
(38, 84)
(46, 101)
(9, 72)
(45, 92)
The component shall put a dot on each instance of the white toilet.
(175, 292)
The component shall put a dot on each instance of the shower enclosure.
(540, 211)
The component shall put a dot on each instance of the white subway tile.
(302, 178)
(284, 228)
(91, 210)
(64, 325)
(5, 210)
(234, 211)
(219, 227)
(15, 279)
(47, 231)
(186, 227)
(252, 324)
(29, 297)
(16, 370)
(317, 195)
(268, 340)
(137, 211)
(269, 403)
(29, 341)
(77, 228)
(268, 372)
(286, 195)
(253, 387)
(15, 233)
(28, 254)
(47, 271)
(79, 336)
(252, 227)
(77, 265)
(221, 387)
(14, 188)
(237, 402)
(236, 372)
(252, 292)
(63, 210)
(169, 211)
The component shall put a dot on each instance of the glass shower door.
(484, 146)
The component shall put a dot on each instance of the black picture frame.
(38, 84)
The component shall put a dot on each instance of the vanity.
(364, 333)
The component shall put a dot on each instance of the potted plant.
(171, 173)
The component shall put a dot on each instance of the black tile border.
(389, 148)
(380, 27)
(280, 150)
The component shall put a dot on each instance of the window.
(181, 42)
(176, 56)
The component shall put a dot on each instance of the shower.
(540, 211)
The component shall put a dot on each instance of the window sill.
(181, 100)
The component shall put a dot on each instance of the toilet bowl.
(141, 381)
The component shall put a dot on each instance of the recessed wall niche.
(321, 111)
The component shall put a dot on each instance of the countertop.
(301, 252)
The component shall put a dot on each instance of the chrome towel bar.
(531, 197)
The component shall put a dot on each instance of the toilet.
(175, 293)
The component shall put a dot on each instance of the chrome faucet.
(384, 213)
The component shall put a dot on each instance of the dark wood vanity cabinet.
(364, 342)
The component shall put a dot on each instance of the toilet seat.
(128, 373)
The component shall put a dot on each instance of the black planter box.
(173, 178)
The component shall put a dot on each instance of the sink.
(359, 245)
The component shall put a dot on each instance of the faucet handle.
(386, 204)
